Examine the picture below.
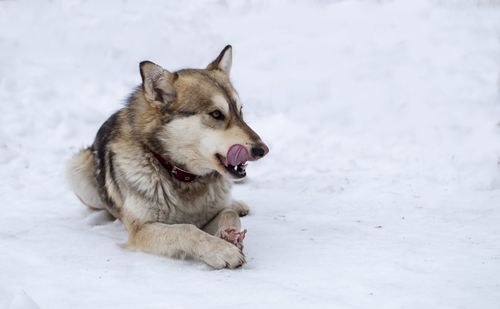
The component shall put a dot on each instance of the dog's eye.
(217, 115)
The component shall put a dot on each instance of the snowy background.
(381, 190)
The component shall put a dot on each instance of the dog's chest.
(194, 205)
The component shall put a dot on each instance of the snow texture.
(381, 189)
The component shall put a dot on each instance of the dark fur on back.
(104, 158)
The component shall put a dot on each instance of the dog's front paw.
(224, 255)
(241, 208)
(231, 235)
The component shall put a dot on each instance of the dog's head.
(203, 127)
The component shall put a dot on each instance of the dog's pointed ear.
(157, 82)
(224, 61)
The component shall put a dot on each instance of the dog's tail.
(80, 174)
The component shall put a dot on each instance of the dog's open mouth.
(235, 162)
(237, 171)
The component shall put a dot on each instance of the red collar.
(175, 171)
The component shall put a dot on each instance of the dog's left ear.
(157, 83)
(224, 61)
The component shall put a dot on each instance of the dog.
(164, 163)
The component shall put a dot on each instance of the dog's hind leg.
(241, 208)
(227, 225)
(80, 175)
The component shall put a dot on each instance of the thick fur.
(170, 114)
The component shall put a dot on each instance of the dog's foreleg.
(227, 225)
(185, 239)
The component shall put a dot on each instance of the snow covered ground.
(382, 188)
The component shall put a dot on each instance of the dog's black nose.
(259, 150)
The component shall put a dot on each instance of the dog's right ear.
(224, 61)
(157, 83)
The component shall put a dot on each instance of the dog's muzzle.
(235, 161)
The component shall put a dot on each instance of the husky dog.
(163, 164)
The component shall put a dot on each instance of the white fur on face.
(195, 145)
(221, 103)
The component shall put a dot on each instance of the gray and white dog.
(163, 164)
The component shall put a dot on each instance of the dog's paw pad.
(234, 237)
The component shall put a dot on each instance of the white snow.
(381, 189)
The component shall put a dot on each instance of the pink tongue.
(237, 154)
